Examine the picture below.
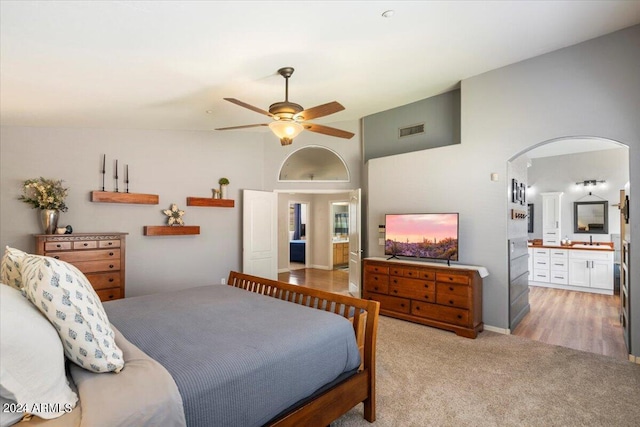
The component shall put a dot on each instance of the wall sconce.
(590, 182)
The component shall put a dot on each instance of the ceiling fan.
(289, 118)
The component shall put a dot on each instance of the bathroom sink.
(584, 246)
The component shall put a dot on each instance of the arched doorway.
(555, 306)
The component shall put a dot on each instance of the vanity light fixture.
(590, 182)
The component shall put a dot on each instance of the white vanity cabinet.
(592, 269)
(551, 218)
(559, 266)
(541, 265)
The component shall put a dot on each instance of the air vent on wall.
(410, 130)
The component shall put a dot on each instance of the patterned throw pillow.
(10, 267)
(65, 296)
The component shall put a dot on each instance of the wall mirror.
(590, 217)
(314, 163)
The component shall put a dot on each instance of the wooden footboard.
(363, 314)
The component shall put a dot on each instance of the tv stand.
(432, 294)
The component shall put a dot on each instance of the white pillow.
(65, 296)
(10, 267)
(32, 371)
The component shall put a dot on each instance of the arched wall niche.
(313, 163)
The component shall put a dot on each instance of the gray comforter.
(238, 358)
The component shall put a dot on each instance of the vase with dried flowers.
(48, 196)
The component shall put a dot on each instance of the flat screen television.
(429, 235)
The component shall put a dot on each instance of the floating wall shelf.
(168, 230)
(134, 198)
(210, 202)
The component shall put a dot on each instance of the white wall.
(172, 164)
(560, 173)
(590, 89)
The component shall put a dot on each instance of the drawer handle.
(426, 297)
(110, 279)
(376, 288)
(402, 305)
(56, 257)
(450, 302)
(110, 243)
(86, 244)
(375, 278)
(395, 291)
(110, 265)
(426, 286)
(58, 246)
(459, 316)
(395, 280)
(418, 308)
(111, 296)
(110, 253)
(450, 278)
(409, 274)
(450, 288)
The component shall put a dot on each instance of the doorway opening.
(560, 303)
(298, 241)
(340, 235)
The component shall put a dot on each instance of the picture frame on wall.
(530, 218)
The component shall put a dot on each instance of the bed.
(256, 352)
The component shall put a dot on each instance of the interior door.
(260, 233)
(355, 245)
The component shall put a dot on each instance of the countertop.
(602, 246)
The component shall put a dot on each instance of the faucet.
(591, 240)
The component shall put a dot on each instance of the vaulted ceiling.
(168, 64)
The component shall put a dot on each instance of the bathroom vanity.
(580, 267)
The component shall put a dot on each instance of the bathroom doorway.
(298, 235)
(549, 310)
(340, 235)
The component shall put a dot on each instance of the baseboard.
(496, 329)
(320, 267)
(634, 359)
(283, 270)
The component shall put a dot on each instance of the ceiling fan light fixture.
(286, 130)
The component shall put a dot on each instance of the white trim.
(571, 288)
(496, 329)
(346, 168)
(320, 267)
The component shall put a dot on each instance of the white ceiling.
(164, 64)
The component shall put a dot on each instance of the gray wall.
(590, 89)
(560, 173)
(172, 164)
(440, 115)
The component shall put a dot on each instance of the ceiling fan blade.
(243, 126)
(320, 110)
(326, 130)
(250, 107)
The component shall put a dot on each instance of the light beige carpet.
(429, 377)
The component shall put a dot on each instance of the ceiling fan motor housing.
(285, 109)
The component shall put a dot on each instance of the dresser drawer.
(57, 246)
(559, 277)
(376, 283)
(109, 243)
(452, 278)
(453, 300)
(413, 284)
(540, 263)
(420, 293)
(540, 275)
(109, 294)
(452, 289)
(104, 280)
(559, 264)
(86, 255)
(95, 266)
(379, 269)
(400, 305)
(88, 244)
(456, 316)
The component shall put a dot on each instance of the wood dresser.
(444, 297)
(100, 256)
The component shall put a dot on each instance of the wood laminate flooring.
(336, 281)
(578, 320)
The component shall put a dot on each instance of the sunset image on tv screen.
(422, 235)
